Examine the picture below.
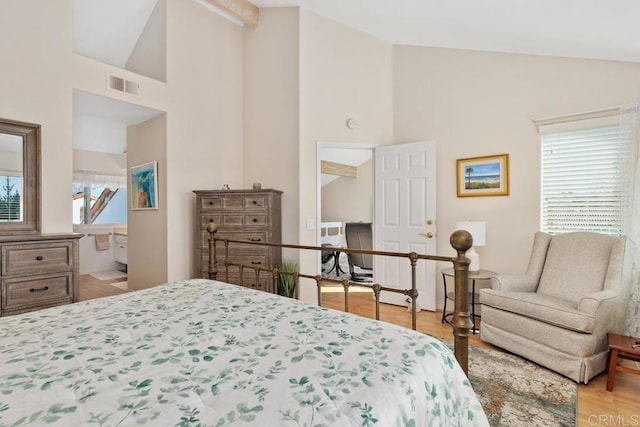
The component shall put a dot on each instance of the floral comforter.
(205, 353)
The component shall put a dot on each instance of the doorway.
(400, 203)
(345, 195)
(101, 138)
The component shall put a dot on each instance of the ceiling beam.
(331, 168)
(240, 9)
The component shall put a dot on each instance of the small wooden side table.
(472, 296)
(624, 347)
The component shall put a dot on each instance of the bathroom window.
(99, 199)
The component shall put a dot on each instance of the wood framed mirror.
(19, 177)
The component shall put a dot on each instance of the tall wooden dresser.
(38, 271)
(251, 215)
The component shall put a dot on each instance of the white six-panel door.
(405, 209)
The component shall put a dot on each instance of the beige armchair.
(559, 313)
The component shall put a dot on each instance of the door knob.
(428, 235)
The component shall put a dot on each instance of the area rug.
(121, 285)
(109, 275)
(516, 392)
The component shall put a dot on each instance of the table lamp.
(477, 230)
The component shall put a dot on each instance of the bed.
(202, 352)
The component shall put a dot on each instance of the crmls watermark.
(614, 420)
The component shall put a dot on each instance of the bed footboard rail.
(460, 240)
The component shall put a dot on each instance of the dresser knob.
(255, 202)
(210, 203)
(255, 239)
(255, 220)
(256, 262)
(39, 258)
(46, 288)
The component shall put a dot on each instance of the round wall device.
(352, 123)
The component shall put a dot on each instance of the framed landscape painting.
(483, 176)
(144, 186)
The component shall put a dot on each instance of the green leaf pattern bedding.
(205, 353)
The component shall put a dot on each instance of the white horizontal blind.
(585, 175)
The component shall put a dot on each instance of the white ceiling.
(109, 30)
(88, 104)
(598, 29)
(346, 156)
(100, 123)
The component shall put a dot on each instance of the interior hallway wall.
(271, 111)
(344, 73)
(147, 229)
(348, 199)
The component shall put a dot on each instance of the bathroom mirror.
(19, 177)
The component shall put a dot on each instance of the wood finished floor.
(596, 406)
(91, 288)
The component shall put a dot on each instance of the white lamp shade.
(477, 230)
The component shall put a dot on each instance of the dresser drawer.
(210, 203)
(234, 220)
(248, 260)
(234, 202)
(27, 293)
(207, 218)
(256, 202)
(37, 258)
(248, 236)
(222, 202)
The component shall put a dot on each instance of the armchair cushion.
(576, 265)
(545, 308)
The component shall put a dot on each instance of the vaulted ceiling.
(598, 29)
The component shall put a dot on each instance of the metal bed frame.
(460, 240)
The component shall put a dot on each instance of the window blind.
(585, 176)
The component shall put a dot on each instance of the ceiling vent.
(119, 84)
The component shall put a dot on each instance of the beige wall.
(349, 199)
(478, 103)
(204, 120)
(147, 229)
(271, 110)
(343, 73)
(304, 75)
(35, 47)
(202, 98)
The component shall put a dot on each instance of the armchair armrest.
(514, 283)
(591, 303)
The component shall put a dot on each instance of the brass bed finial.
(461, 240)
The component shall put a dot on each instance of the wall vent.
(119, 84)
(131, 87)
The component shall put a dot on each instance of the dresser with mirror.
(36, 270)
